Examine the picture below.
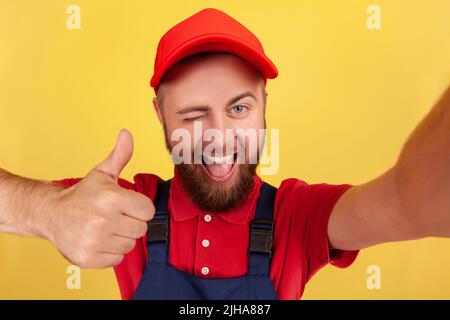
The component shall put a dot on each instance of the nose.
(218, 131)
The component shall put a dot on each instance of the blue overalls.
(161, 281)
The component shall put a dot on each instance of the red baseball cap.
(209, 30)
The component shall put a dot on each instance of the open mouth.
(219, 169)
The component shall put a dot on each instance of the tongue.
(219, 170)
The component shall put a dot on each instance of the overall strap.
(261, 232)
(158, 227)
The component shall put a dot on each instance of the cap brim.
(217, 43)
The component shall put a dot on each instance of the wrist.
(49, 212)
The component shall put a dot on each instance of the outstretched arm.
(26, 205)
(411, 200)
(93, 223)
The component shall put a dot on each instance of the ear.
(158, 111)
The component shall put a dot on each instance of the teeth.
(219, 160)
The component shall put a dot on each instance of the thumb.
(119, 156)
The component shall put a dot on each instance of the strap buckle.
(158, 228)
(261, 236)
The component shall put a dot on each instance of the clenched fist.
(97, 221)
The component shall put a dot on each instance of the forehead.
(211, 77)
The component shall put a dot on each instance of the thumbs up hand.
(96, 220)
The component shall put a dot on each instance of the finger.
(106, 260)
(118, 245)
(137, 205)
(130, 228)
(119, 156)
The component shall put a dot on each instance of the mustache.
(185, 148)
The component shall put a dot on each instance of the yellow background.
(345, 101)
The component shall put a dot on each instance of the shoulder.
(298, 197)
(145, 183)
(295, 189)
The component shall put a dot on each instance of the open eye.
(239, 108)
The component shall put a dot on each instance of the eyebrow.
(206, 108)
(240, 96)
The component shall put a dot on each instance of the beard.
(213, 196)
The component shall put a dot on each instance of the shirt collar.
(182, 208)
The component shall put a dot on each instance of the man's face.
(224, 93)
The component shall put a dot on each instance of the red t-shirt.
(220, 242)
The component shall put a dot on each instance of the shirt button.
(207, 218)
(205, 270)
(205, 243)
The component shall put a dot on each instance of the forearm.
(26, 205)
(422, 173)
